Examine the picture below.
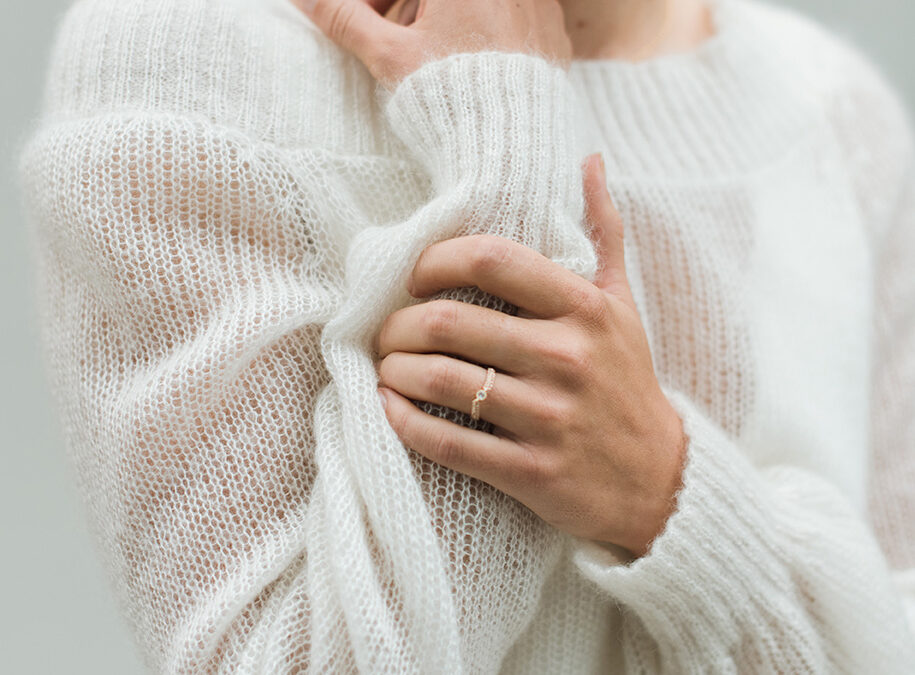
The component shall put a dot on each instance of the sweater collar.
(726, 107)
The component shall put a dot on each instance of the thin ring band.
(481, 393)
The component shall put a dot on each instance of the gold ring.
(481, 393)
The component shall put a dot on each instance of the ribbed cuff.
(487, 117)
(714, 564)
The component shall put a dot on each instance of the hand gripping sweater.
(225, 209)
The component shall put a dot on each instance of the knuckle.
(537, 469)
(570, 356)
(401, 422)
(506, 324)
(440, 320)
(588, 304)
(491, 254)
(550, 414)
(565, 411)
(446, 449)
(545, 415)
(572, 359)
(550, 352)
(442, 378)
(578, 360)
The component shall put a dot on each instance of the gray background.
(56, 612)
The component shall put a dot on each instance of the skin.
(611, 29)
(584, 435)
(634, 30)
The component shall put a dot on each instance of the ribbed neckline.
(720, 110)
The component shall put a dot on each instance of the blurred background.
(57, 613)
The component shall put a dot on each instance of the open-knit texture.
(224, 209)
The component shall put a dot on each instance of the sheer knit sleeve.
(892, 478)
(769, 568)
(208, 300)
(892, 492)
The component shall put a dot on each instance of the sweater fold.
(224, 208)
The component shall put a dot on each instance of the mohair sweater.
(224, 209)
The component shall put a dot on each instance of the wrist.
(660, 502)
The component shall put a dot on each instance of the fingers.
(508, 270)
(510, 404)
(606, 230)
(508, 343)
(501, 462)
(353, 25)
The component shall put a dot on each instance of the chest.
(756, 294)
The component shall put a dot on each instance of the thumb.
(605, 231)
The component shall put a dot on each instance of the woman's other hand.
(584, 435)
(392, 51)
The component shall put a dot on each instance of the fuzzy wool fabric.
(224, 207)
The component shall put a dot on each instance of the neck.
(635, 29)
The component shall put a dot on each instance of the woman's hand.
(392, 51)
(584, 435)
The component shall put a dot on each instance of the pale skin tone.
(583, 434)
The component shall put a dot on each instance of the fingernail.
(307, 5)
(603, 167)
(383, 397)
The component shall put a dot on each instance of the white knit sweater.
(225, 208)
